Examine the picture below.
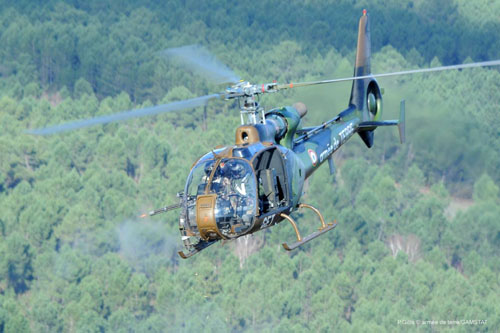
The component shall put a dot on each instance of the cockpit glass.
(196, 185)
(198, 179)
(234, 183)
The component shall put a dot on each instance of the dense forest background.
(418, 235)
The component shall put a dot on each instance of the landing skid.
(309, 237)
(197, 248)
(300, 241)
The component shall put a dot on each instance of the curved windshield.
(196, 185)
(198, 179)
(235, 207)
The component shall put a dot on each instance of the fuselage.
(240, 189)
(258, 182)
(318, 144)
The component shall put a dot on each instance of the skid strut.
(324, 228)
(196, 248)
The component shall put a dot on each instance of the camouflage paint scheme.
(303, 151)
(310, 151)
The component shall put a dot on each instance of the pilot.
(232, 183)
(204, 180)
(221, 186)
(208, 170)
(241, 185)
(240, 178)
(220, 181)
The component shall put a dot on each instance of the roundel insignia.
(313, 156)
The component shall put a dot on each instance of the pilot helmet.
(236, 168)
(208, 169)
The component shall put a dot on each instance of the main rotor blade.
(174, 106)
(414, 71)
(201, 60)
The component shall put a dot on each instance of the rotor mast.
(251, 108)
(251, 112)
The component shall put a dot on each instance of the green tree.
(82, 87)
(485, 189)
(17, 263)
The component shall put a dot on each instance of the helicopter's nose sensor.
(244, 136)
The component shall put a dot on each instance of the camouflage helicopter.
(258, 182)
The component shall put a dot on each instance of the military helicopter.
(258, 182)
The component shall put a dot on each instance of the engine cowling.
(280, 127)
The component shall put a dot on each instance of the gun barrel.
(162, 210)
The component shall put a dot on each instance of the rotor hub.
(251, 112)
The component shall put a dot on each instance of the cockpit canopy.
(228, 188)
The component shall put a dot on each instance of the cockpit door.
(273, 191)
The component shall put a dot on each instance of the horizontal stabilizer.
(370, 125)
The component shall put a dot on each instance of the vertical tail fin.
(362, 66)
(366, 96)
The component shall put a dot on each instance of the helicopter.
(258, 182)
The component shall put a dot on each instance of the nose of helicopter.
(231, 200)
(221, 198)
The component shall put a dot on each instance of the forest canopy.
(418, 235)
